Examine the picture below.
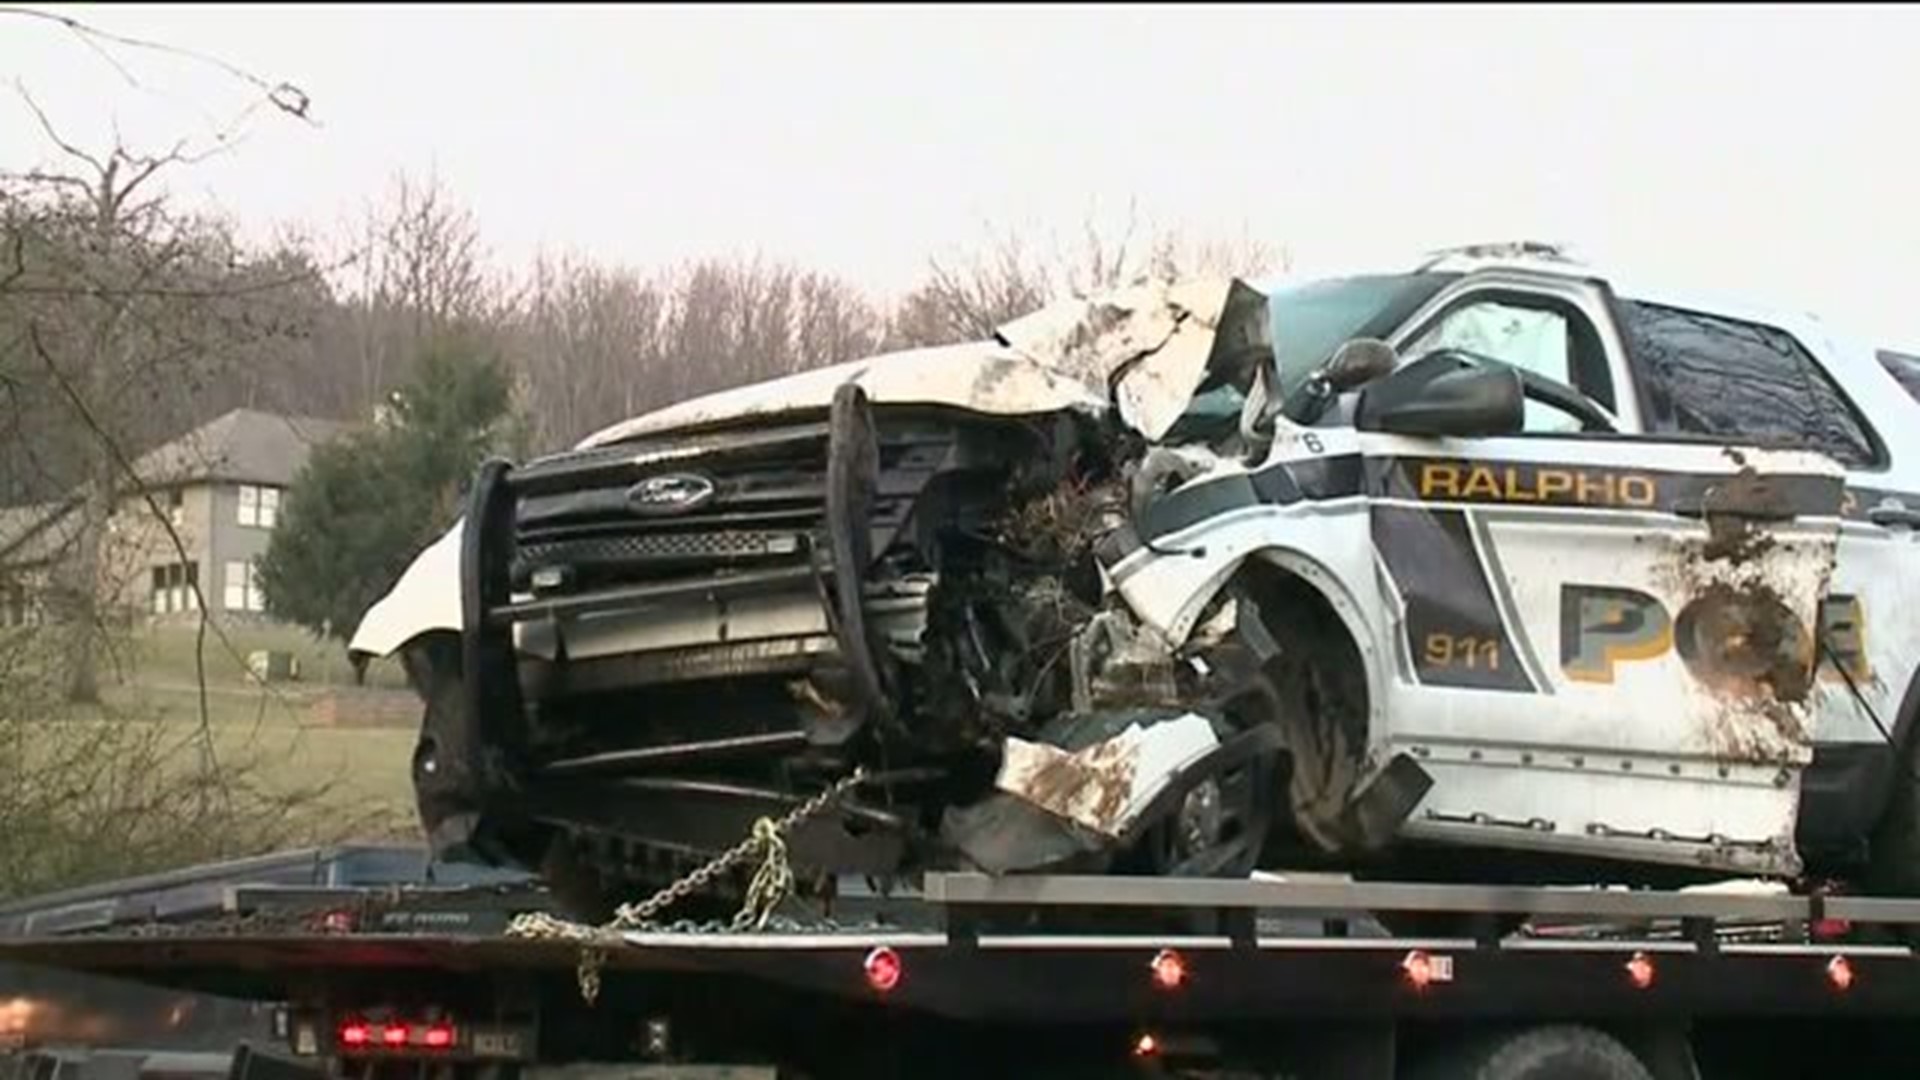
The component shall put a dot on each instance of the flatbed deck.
(1289, 962)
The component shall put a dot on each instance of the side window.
(1704, 375)
(1904, 368)
(1536, 338)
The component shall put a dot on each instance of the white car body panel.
(1638, 773)
(1106, 786)
(426, 598)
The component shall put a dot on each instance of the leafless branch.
(46, 126)
(285, 96)
(35, 176)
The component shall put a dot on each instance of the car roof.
(1855, 360)
(1629, 283)
(1641, 284)
(1541, 259)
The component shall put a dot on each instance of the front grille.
(767, 508)
(700, 545)
(641, 552)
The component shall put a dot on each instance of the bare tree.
(107, 249)
(586, 340)
(968, 298)
(119, 317)
(421, 276)
(595, 345)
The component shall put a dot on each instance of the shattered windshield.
(1313, 318)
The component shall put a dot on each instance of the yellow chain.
(772, 883)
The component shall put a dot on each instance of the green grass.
(120, 790)
(97, 792)
(263, 732)
(165, 655)
(267, 726)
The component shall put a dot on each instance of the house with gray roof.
(219, 489)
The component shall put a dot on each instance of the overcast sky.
(1765, 150)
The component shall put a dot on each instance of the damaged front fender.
(425, 599)
(1091, 787)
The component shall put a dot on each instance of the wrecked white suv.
(1494, 559)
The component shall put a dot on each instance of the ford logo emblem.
(672, 493)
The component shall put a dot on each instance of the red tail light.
(1419, 969)
(1146, 1045)
(883, 969)
(1840, 973)
(354, 1034)
(394, 1035)
(1169, 970)
(1640, 970)
(438, 1036)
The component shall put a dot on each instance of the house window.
(259, 506)
(173, 587)
(243, 588)
(176, 502)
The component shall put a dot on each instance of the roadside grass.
(95, 794)
(265, 727)
(365, 767)
(146, 781)
(164, 655)
(361, 771)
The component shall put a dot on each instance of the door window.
(1538, 338)
(1739, 381)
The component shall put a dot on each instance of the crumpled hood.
(1160, 338)
(984, 376)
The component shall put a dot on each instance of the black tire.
(1319, 687)
(1557, 1052)
(1318, 683)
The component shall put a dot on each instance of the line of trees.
(287, 329)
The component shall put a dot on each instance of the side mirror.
(1359, 362)
(1355, 363)
(1443, 394)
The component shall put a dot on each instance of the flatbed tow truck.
(1056, 976)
